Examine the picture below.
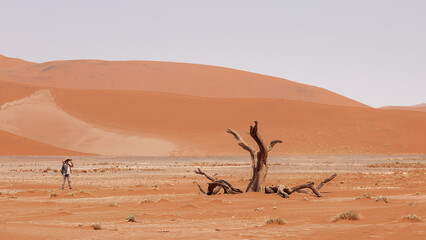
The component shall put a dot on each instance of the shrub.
(381, 198)
(278, 221)
(412, 218)
(96, 226)
(346, 215)
(131, 218)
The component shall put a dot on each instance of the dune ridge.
(419, 107)
(7, 63)
(169, 77)
(158, 123)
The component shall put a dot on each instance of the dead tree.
(216, 185)
(259, 164)
(259, 158)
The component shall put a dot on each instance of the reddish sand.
(418, 107)
(134, 122)
(163, 195)
(198, 125)
(182, 78)
(11, 144)
(13, 91)
(7, 63)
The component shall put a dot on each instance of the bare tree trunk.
(259, 158)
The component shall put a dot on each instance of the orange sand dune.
(181, 78)
(11, 144)
(184, 125)
(198, 125)
(13, 91)
(11, 63)
(418, 107)
(38, 117)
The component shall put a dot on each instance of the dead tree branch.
(216, 185)
(326, 181)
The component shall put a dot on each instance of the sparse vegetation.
(75, 193)
(410, 204)
(417, 193)
(96, 226)
(259, 209)
(131, 218)
(346, 215)
(366, 195)
(412, 218)
(53, 194)
(381, 198)
(145, 201)
(278, 221)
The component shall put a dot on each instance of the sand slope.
(181, 78)
(38, 117)
(7, 63)
(135, 122)
(13, 91)
(11, 144)
(418, 107)
(198, 125)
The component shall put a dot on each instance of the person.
(66, 172)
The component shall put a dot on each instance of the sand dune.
(418, 107)
(38, 117)
(7, 63)
(11, 144)
(181, 78)
(13, 91)
(135, 122)
(198, 125)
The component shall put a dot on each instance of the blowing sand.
(163, 196)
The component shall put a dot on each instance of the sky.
(373, 51)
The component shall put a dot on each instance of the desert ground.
(177, 116)
(162, 194)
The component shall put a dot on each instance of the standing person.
(66, 172)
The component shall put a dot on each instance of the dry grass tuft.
(96, 226)
(366, 195)
(131, 218)
(412, 218)
(381, 198)
(278, 221)
(259, 209)
(411, 204)
(146, 201)
(346, 215)
(81, 192)
(53, 194)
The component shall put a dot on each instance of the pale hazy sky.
(371, 51)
